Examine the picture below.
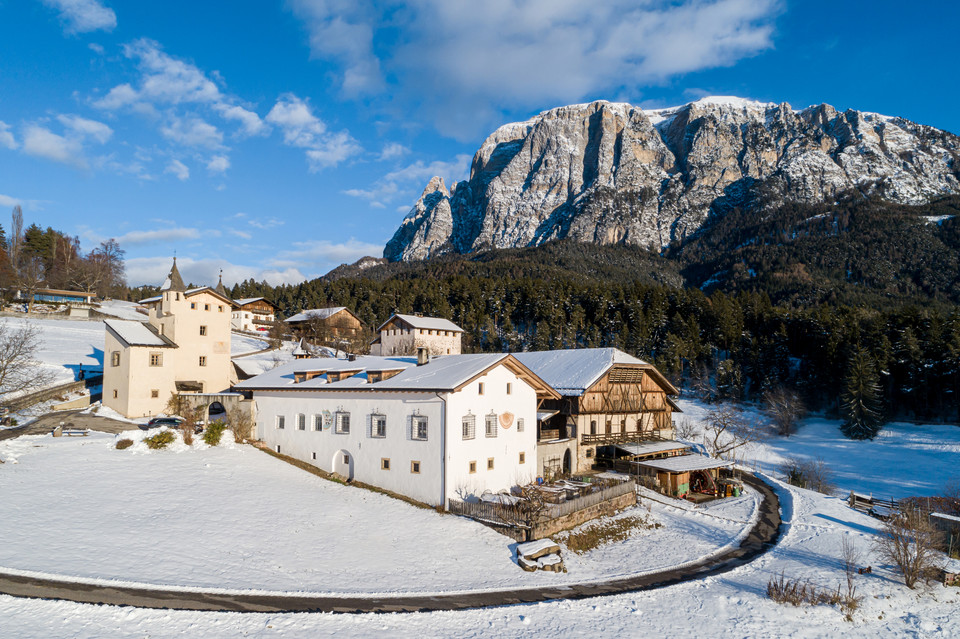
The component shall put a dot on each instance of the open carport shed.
(674, 474)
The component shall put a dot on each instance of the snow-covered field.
(65, 345)
(904, 460)
(234, 518)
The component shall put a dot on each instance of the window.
(114, 393)
(193, 305)
(342, 426)
(609, 427)
(203, 330)
(520, 425)
(378, 426)
(384, 463)
(156, 359)
(346, 458)
(589, 453)
(314, 455)
(155, 393)
(301, 422)
(489, 463)
(318, 422)
(473, 467)
(593, 427)
(220, 308)
(523, 458)
(415, 467)
(178, 297)
(491, 425)
(203, 360)
(509, 388)
(280, 420)
(206, 307)
(419, 427)
(115, 358)
(481, 389)
(469, 427)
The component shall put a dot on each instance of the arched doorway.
(342, 464)
(216, 413)
(566, 462)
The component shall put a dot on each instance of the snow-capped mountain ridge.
(613, 173)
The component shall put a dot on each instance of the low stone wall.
(574, 519)
(26, 401)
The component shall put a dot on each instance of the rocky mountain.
(612, 173)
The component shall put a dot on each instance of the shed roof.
(427, 323)
(652, 447)
(685, 463)
(573, 371)
(315, 313)
(134, 333)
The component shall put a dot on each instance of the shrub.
(124, 443)
(161, 440)
(598, 534)
(812, 474)
(213, 433)
(908, 541)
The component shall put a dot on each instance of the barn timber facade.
(608, 398)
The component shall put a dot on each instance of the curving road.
(762, 536)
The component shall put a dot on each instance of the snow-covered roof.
(573, 371)
(685, 463)
(426, 323)
(251, 300)
(137, 333)
(651, 448)
(445, 373)
(945, 516)
(315, 313)
(151, 300)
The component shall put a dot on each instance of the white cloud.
(218, 164)
(393, 150)
(326, 254)
(6, 200)
(179, 169)
(168, 80)
(43, 143)
(437, 54)
(96, 48)
(176, 234)
(153, 270)
(250, 122)
(241, 234)
(83, 16)
(194, 132)
(6, 138)
(98, 131)
(302, 129)
(266, 223)
(411, 179)
(119, 96)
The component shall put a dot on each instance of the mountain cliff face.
(615, 174)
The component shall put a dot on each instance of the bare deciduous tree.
(241, 423)
(19, 370)
(813, 474)
(909, 541)
(784, 408)
(727, 429)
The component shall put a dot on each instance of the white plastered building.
(183, 347)
(446, 428)
(406, 334)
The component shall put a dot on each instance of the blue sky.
(276, 140)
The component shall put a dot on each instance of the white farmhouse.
(431, 429)
(252, 313)
(184, 347)
(406, 334)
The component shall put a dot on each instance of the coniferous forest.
(811, 298)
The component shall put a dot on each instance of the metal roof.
(685, 463)
(137, 333)
(426, 323)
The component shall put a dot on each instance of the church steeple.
(220, 289)
(174, 282)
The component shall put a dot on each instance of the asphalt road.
(762, 536)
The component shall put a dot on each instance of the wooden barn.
(608, 398)
(685, 475)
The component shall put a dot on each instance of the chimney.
(423, 355)
(351, 357)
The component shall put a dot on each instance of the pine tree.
(860, 401)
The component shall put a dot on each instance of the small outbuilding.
(683, 475)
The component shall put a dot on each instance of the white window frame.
(490, 425)
(318, 422)
(280, 421)
(301, 421)
(342, 422)
(520, 425)
(419, 427)
(469, 427)
(378, 425)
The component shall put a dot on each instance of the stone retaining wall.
(574, 519)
